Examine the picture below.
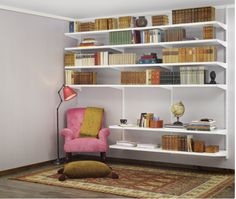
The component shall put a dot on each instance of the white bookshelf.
(217, 24)
(164, 65)
(205, 42)
(222, 132)
(221, 153)
(118, 86)
(221, 43)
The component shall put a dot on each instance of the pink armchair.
(73, 142)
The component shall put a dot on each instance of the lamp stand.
(58, 161)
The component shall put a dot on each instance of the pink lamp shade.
(69, 93)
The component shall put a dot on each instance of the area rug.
(144, 182)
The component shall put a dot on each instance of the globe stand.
(178, 123)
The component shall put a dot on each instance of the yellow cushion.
(86, 169)
(92, 122)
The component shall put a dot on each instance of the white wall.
(31, 72)
(199, 103)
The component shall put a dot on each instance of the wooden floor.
(18, 189)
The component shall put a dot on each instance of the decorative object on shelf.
(198, 146)
(69, 93)
(178, 110)
(212, 148)
(156, 123)
(141, 21)
(86, 169)
(213, 77)
(123, 121)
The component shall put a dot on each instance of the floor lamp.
(68, 94)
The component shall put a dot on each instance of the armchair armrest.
(68, 134)
(103, 134)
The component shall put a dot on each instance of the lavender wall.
(31, 72)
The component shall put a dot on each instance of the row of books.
(98, 58)
(177, 142)
(159, 20)
(76, 26)
(122, 37)
(191, 15)
(122, 58)
(208, 32)
(106, 24)
(149, 36)
(200, 125)
(175, 34)
(196, 54)
(75, 77)
(150, 77)
(193, 75)
(145, 119)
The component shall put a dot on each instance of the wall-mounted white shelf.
(170, 130)
(118, 86)
(221, 153)
(123, 66)
(205, 42)
(192, 30)
(77, 35)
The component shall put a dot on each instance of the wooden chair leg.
(103, 156)
(68, 157)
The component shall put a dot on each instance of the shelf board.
(221, 153)
(173, 130)
(118, 86)
(220, 64)
(154, 45)
(77, 35)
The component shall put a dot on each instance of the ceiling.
(97, 8)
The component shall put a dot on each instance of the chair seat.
(85, 145)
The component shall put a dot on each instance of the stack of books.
(147, 145)
(88, 42)
(126, 22)
(208, 32)
(126, 143)
(191, 15)
(196, 54)
(74, 77)
(160, 20)
(122, 58)
(202, 125)
(149, 58)
(175, 34)
(193, 75)
(177, 143)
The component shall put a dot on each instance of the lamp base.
(58, 162)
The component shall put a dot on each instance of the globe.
(178, 110)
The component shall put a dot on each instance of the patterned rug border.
(210, 193)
